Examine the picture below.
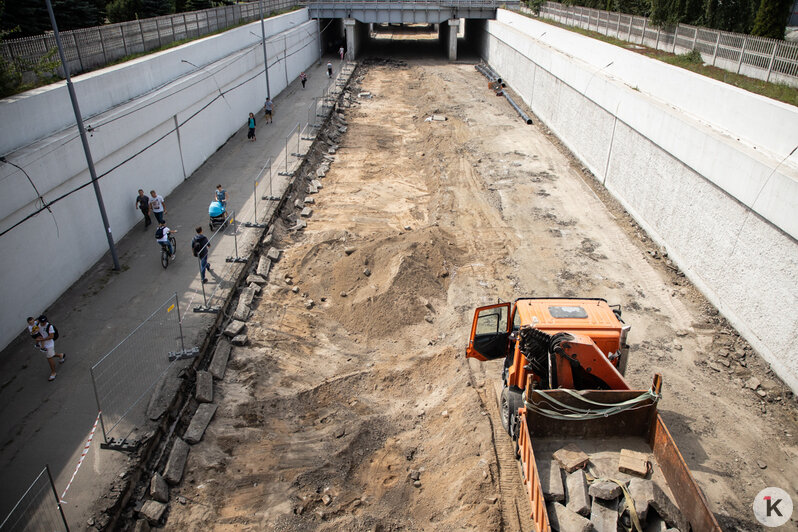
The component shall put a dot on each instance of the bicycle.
(165, 251)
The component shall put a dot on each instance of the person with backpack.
(162, 236)
(200, 247)
(48, 334)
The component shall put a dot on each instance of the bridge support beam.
(454, 25)
(356, 33)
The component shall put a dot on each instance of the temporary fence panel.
(38, 509)
(123, 377)
(756, 57)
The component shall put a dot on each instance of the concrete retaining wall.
(704, 167)
(157, 103)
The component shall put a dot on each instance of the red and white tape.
(82, 456)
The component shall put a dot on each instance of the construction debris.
(634, 463)
(571, 458)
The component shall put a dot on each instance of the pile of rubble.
(580, 500)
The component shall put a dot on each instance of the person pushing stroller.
(217, 211)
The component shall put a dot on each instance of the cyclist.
(162, 236)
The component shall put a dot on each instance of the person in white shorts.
(47, 343)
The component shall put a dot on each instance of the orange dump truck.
(563, 387)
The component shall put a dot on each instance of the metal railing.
(122, 377)
(90, 48)
(756, 57)
(38, 508)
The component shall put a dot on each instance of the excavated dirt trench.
(359, 411)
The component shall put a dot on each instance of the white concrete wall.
(701, 165)
(131, 106)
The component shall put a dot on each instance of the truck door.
(489, 332)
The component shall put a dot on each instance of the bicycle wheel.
(164, 257)
(174, 245)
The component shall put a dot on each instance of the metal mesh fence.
(37, 510)
(124, 376)
(756, 57)
(89, 48)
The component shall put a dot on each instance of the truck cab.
(502, 331)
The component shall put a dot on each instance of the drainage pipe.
(485, 71)
(520, 111)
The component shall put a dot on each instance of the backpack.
(55, 332)
(159, 232)
(197, 244)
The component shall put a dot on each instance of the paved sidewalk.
(48, 422)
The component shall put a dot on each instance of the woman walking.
(251, 134)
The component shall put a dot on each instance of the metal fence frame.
(124, 375)
(36, 510)
(755, 57)
(91, 48)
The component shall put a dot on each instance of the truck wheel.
(511, 401)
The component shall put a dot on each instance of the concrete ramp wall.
(130, 107)
(704, 167)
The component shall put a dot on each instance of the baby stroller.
(218, 215)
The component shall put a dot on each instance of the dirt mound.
(377, 286)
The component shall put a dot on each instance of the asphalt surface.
(49, 422)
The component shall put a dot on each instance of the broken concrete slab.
(173, 471)
(247, 296)
(159, 489)
(316, 183)
(633, 463)
(571, 458)
(152, 511)
(306, 212)
(647, 494)
(321, 172)
(141, 526)
(312, 190)
(267, 240)
(256, 278)
(239, 340)
(300, 224)
(219, 361)
(310, 201)
(297, 203)
(752, 383)
(166, 390)
(242, 312)
(234, 327)
(273, 254)
(199, 422)
(564, 520)
(256, 288)
(204, 393)
(605, 490)
(551, 481)
(604, 515)
(264, 265)
(577, 498)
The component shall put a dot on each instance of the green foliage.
(31, 16)
(123, 10)
(10, 77)
(771, 18)
(196, 5)
(46, 68)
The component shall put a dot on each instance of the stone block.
(152, 511)
(242, 312)
(320, 172)
(316, 183)
(300, 224)
(273, 254)
(577, 498)
(605, 490)
(199, 422)
(571, 458)
(256, 278)
(159, 489)
(219, 360)
(141, 526)
(267, 240)
(633, 463)
(310, 201)
(297, 203)
(551, 481)
(306, 212)
(204, 393)
(173, 471)
(239, 340)
(264, 265)
(647, 494)
(564, 520)
(247, 296)
(256, 288)
(234, 327)
(312, 189)
(604, 515)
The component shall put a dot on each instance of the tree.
(196, 5)
(771, 18)
(31, 16)
(122, 10)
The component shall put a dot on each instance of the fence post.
(99, 408)
(180, 325)
(77, 50)
(57, 498)
(772, 60)
(656, 46)
(172, 26)
(695, 37)
(618, 27)
(629, 34)
(158, 31)
(675, 38)
(742, 53)
(122, 31)
(143, 42)
(643, 36)
(234, 223)
(102, 43)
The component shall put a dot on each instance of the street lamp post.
(265, 57)
(83, 139)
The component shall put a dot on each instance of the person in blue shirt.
(221, 196)
(251, 123)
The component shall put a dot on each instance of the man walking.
(329, 69)
(303, 78)
(143, 204)
(268, 109)
(200, 247)
(47, 343)
(157, 206)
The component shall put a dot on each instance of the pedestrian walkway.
(48, 422)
